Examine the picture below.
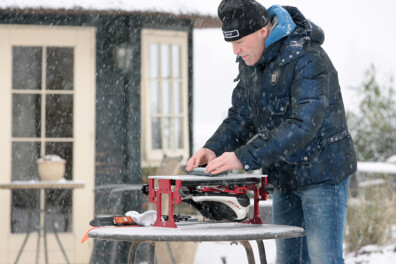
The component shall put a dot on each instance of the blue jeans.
(319, 209)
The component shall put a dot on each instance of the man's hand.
(227, 161)
(202, 156)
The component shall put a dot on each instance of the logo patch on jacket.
(274, 78)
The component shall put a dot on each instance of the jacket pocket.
(278, 106)
(307, 155)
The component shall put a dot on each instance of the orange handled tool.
(112, 221)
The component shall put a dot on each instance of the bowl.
(51, 169)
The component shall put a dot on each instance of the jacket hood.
(303, 31)
(305, 27)
(282, 23)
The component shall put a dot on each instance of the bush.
(373, 126)
(370, 217)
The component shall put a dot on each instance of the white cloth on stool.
(145, 219)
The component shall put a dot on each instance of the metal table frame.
(42, 186)
(151, 252)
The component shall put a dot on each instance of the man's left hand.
(227, 161)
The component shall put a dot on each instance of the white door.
(47, 106)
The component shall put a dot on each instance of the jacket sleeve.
(308, 102)
(236, 129)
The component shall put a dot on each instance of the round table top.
(61, 184)
(199, 232)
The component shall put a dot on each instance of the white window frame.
(152, 157)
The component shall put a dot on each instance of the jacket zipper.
(255, 102)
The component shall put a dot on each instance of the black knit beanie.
(241, 18)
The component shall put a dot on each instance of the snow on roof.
(176, 7)
(202, 12)
(377, 167)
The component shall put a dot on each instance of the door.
(47, 106)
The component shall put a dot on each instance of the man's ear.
(264, 32)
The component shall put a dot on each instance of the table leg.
(249, 251)
(151, 252)
(113, 254)
(43, 221)
(38, 246)
(60, 244)
(26, 237)
(170, 251)
(260, 245)
(22, 247)
(45, 244)
(132, 252)
(133, 249)
(42, 226)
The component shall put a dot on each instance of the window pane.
(176, 61)
(179, 132)
(177, 98)
(25, 212)
(24, 157)
(155, 98)
(156, 133)
(26, 115)
(60, 68)
(168, 133)
(59, 116)
(59, 203)
(165, 61)
(154, 60)
(166, 97)
(26, 68)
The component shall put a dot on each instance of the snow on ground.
(213, 252)
(373, 254)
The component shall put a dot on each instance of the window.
(164, 95)
(42, 123)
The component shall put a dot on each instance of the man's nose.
(236, 49)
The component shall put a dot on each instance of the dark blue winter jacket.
(287, 115)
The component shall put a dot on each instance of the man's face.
(250, 47)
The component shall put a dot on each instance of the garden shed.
(106, 85)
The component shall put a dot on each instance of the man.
(287, 117)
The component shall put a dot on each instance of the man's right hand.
(202, 156)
